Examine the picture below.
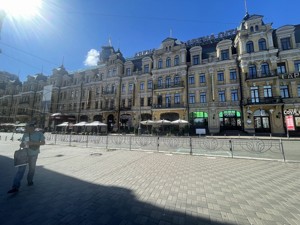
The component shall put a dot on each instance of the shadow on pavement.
(60, 199)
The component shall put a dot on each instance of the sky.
(71, 32)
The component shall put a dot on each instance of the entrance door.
(261, 121)
(262, 124)
(230, 120)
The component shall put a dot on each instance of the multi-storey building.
(245, 79)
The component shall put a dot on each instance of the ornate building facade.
(242, 80)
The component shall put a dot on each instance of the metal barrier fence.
(239, 148)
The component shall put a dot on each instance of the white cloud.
(92, 58)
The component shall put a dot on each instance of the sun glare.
(21, 8)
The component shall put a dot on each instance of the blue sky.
(65, 31)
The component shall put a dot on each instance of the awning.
(96, 123)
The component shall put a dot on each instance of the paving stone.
(132, 187)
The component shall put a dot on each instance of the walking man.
(31, 140)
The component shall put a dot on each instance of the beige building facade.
(241, 80)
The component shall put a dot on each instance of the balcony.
(109, 92)
(261, 75)
(168, 85)
(109, 108)
(260, 101)
(168, 105)
(125, 108)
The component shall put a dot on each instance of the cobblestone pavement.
(92, 186)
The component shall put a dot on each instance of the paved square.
(92, 186)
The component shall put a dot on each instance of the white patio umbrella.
(97, 124)
(162, 122)
(64, 124)
(80, 124)
(179, 122)
(147, 122)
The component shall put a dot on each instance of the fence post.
(281, 148)
(129, 143)
(191, 147)
(157, 143)
(87, 140)
(230, 148)
(55, 139)
(70, 139)
(107, 142)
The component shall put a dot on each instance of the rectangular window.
(233, 75)
(123, 103)
(123, 88)
(298, 90)
(202, 78)
(225, 54)
(130, 103)
(191, 80)
(128, 71)
(142, 102)
(177, 98)
(268, 91)
(130, 87)
(149, 84)
(146, 68)
(112, 104)
(285, 43)
(254, 95)
(192, 98)
(234, 95)
(168, 101)
(284, 91)
(196, 60)
(220, 76)
(142, 86)
(96, 105)
(297, 66)
(149, 101)
(222, 96)
(202, 97)
(281, 69)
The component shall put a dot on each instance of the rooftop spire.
(246, 9)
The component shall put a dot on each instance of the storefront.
(295, 113)
(230, 120)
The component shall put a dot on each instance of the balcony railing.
(168, 105)
(258, 101)
(109, 108)
(260, 75)
(125, 108)
(168, 85)
(109, 92)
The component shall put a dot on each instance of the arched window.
(256, 27)
(252, 71)
(262, 44)
(249, 47)
(265, 71)
(168, 62)
(176, 60)
(251, 29)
